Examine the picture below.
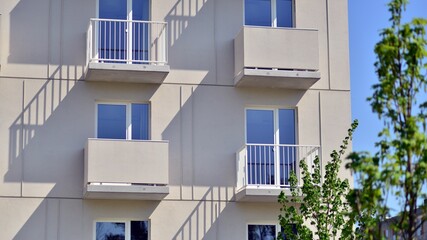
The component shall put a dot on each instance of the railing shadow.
(35, 113)
(201, 223)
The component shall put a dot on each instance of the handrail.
(280, 145)
(127, 41)
(270, 165)
(125, 20)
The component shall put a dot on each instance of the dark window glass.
(139, 230)
(260, 126)
(288, 154)
(260, 130)
(140, 10)
(111, 121)
(111, 41)
(110, 231)
(261, 232)
(113, 9)
(284, 13)
(258, 12)
(140, 116)
(294, 231)
(287, 126)
(141, 31)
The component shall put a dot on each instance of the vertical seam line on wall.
(180, 142)
(58, 220)
(192, 143)
(49, 32)
(215, 42)
(61, 31)
(320, 133)
(22, 137)
(46, 217)
(328, 44)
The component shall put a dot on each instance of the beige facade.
(184, 179)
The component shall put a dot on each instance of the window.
(273, 13)
(261, 232)
(122, 230)
(270, 140)
(294, 231)
(123, 40)
(266, 232)
(123, 121)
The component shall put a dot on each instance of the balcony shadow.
(201, 41)
(39, 44)
(33, 136)
(201, 223)
(72, 218)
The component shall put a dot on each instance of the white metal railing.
(270, 165)
(126, 41)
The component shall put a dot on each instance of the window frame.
(273, 13)
(278, 227)
(275, 119)
(272, 223)
(127, 223)
(128, 118)
(263, 223)
(129, 9)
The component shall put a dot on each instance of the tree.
(319, 202)
(399, 168)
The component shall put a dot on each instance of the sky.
(366, 19)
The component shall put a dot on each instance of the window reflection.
(110, 231)
(261, 232)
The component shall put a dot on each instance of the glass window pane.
(139, 230)
(261, 232)
(260, 130)
(141, 31)
(288, 154)
(140, 10)
(258, 12)
(284, 13)
(110, 230)
(111, 41)
(294, 231)
(287, 126)
(112, 9)
(140, 116)
(260, 126)
(111, 121)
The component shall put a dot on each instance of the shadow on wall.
(46, 33)
(202, 222)
(191, 35)
(53, 219)
(40, 134)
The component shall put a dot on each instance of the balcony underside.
(276, 78)
(260, 194)
(120, 72)
(128, 192)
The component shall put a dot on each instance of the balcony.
(263, 170)
(126, 169)
(126, 51)
(276, 57)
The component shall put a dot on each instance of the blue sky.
(366, 19)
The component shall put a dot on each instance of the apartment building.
(164, 119)
(389, 233)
